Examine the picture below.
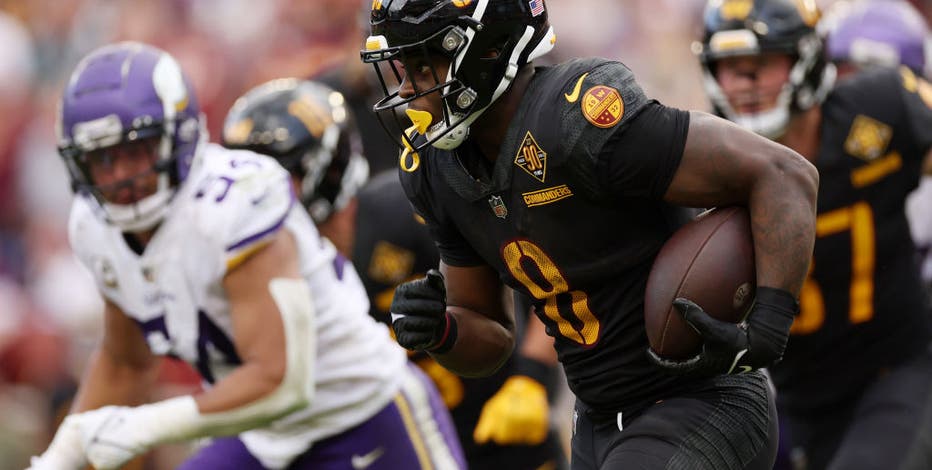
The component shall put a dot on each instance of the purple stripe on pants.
(380, 443)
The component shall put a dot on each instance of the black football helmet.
(308, 128)
(486, 42)
(751, 27)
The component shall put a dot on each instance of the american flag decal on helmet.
(537, 7)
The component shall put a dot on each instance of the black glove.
(729, 348)
(419, 315)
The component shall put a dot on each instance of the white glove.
(65, 452)
(112, 436)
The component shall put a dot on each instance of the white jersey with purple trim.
(227, 208)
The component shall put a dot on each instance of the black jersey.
(571, 214)
(862, 306)
(392, 245)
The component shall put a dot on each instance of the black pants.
(725, 423)
(888, 426)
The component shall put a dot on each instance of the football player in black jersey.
(309, 128)
(855, 383)
(563, 183)
(502, 419)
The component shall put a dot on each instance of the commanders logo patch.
(546, 196)
(868, 138)
(390, 264)
(603, 106)
(531, 158)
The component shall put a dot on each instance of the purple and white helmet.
(879, 32)
(122, 93)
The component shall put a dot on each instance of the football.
(709, 261)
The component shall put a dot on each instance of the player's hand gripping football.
(729, 348)
(419, 315)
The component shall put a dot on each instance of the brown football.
(709, 261)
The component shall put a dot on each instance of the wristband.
(769, 325)
(448, 339)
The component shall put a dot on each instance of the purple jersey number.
(211, 343)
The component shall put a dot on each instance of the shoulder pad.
(594, 98)
(238, 199)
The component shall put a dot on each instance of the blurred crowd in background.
(50, 313)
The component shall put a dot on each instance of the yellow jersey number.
(859, 220)
(582, 327)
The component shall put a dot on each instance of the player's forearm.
(106, 382)
(783, 212)
(482, 345)
(245, 385)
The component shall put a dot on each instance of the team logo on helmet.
(376, 5)
(868, 138)
(736, 9)
(238, 133)
(603, 106)
(914, 84)
(462, 3)
(808, 11)
(531, 158)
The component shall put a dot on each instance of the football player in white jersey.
(201, 253)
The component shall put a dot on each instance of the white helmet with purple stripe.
(123, 93)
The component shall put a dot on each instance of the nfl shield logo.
(498, 207)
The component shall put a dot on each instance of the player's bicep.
(258, 328)
(477, 289)
(720, 163)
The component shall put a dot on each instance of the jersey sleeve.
(620, 142)
(241, 204)
(639, 161)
